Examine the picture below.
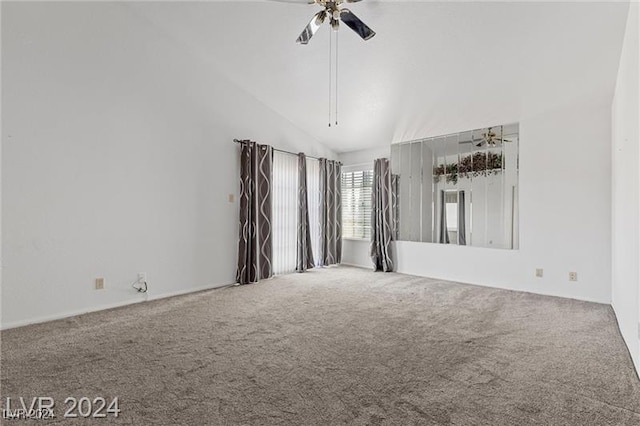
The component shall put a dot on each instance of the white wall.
(1, 107)
(117, 159)
(626, 188)
(565, 215)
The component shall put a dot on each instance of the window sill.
(356, 239)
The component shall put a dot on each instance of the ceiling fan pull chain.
(337, 56)
(330, 71)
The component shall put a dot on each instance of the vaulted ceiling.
(433, 68)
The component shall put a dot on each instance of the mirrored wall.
(458, 189)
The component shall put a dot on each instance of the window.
(285, 210)
(284, 224)
(356, 204)
(451, 204)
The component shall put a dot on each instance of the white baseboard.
(357, 266)
(634, 362)
(188, 291)
(68, 314)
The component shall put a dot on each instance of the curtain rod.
(276, 149)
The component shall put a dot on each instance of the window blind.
(356, 204)
(285, 211)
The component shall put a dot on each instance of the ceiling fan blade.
(312, 27)
(353, 22)
(296, 1)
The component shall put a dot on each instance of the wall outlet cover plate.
(99, 283)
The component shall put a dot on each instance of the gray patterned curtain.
(444, 234)
(304, 252)
(462, 232)
(330, 212)
(254, 243)
(381, 216)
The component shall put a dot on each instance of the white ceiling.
(432, 69)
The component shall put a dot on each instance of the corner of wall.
(625, 188)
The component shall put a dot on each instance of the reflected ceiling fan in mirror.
(335, 13)
(490, 138)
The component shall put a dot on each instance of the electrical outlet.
(573, 276)
(141, 283)
(539, 272)
(99, 283)
(231, 198)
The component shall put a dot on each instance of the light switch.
(231, 198)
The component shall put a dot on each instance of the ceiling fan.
(332, 10)
(490, 138)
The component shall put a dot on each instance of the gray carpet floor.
(336, 346)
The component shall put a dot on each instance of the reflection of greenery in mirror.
(479, 166)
